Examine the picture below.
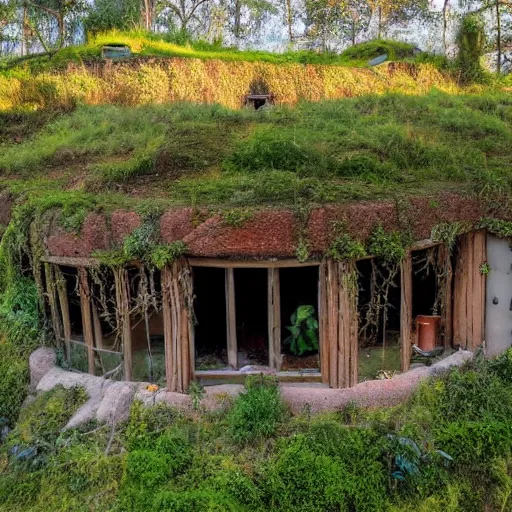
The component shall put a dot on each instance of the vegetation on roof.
(143, 44)
(361, 148)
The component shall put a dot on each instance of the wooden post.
(98, 334)
(274, 319)
(177, 296)
(447, 313)
(167, 318)
(124, 322)
(406, 312)
(469, 294)
(478, 298)
(469, 289)
(51, 294)
(85, 304)
(323, 324)
(333, 317)
(62, 292)
(231, 318)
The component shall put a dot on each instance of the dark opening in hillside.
(379, 319)
(75, 311)
(299, 297)
(210, 314)
(251, 316)
(424, 285)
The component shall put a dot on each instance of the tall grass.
(322, 152)
(209, 81)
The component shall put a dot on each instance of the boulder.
(41, 361)
(116, 403)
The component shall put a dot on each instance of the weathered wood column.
(341, 323)
(123, 317)
(178, 329)
(406, 312)
(274, 318)
(60, 282)
(469, 291)
(445, 263)
(231, 318)
(51, 294)
(85, 304)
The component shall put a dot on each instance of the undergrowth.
(449, 447)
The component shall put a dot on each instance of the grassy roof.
(151, 45)
(363, 148)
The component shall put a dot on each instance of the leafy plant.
(257, 413)
(304, 331)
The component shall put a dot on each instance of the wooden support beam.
(274, 318)
(445, 261)
(333, 318)
(98, 333)
(478, 295)
(51, 295)
(124, 321)
(218, 263)
(62, 292)
(406, 312)
(87, 324)
(323, 324)
(231, 319)
(167, 318)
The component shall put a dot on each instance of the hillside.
(352, 149)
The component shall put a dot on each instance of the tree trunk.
(289, 19)
(498, 37)
(238, 16)
(445, 26)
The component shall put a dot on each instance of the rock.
(93, 386)
(41, 361)
(86, 413)
(116, 403)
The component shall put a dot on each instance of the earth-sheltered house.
(332, 293)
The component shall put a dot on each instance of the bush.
(471, 44)
(146, 424)
(256, 414)
(14, 377)
(302, 480)
(41, 422)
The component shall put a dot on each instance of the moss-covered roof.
(182, 154)
(153, 45)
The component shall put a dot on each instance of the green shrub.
(14, 377)
(277, 150)
(43, 419)
(146, 424)
(302, 480)
(194, 501)
(471, 44)
(256, 414)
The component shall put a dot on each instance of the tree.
(255, 10)
(392, 12)
(184, 11)
(471, 44)
(50, 21)
(111, 14)
(336, 20)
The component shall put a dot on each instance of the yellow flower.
(152, 388)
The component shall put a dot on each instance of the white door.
(498, 318)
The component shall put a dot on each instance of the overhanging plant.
(303, 331)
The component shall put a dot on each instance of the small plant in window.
(303, 331)
(485, 268)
